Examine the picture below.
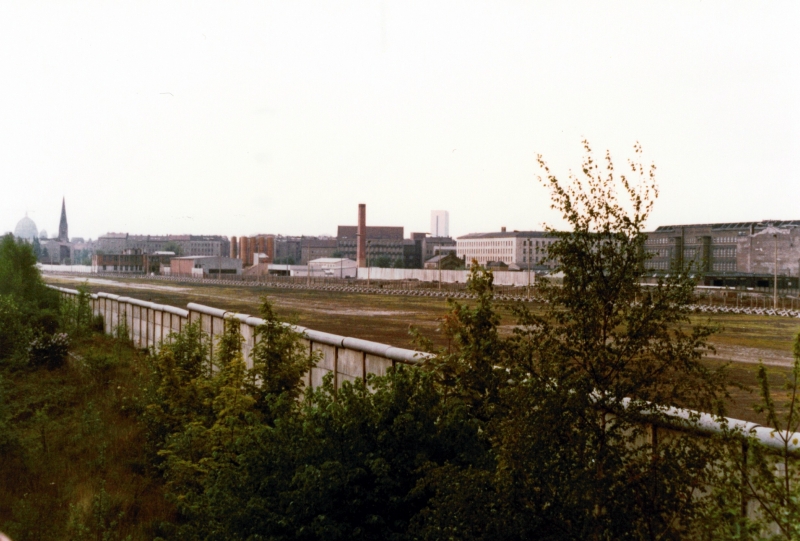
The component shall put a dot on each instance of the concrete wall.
(502, 278)
(149, 324)
(84, 269)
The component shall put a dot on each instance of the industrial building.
(432, 246)
(119, 243)
(333, 267)
(133, 262)
(205, 266)
(380, 242)
(517, 249)
(254, 249)
(731, 254)
(312, 248)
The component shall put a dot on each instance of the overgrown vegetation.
(71, 446)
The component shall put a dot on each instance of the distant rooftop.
(507, 235)
(735, 225)
(373, 232)
(215, 257)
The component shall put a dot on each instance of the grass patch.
(73, 463)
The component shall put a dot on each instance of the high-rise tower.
(440, 223)
(63, 230)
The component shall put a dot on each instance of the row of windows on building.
(724, 266)
(123, 268)
(697, 240)
(724, 252)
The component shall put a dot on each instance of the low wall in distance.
(80, 269)
(502, 278)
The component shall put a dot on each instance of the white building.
(331, 267)
(440, 223)
(335, 267)
(518, 248)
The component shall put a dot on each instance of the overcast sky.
(280, 117)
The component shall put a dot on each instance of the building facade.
(205, 266)
(118, 243)
(517, 249)
(381, 242)
(435, 245)
(728, 253)
(133, 262)
(288, 249)
(317, 247)
(248, 249)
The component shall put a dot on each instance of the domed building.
(26, 229)
(43, 234)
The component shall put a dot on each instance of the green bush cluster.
(49, 351)
(28, 309)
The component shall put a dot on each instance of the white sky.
(280, 117)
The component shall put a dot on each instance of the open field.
(742, 340)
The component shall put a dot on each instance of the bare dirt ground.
(742, 341)
(744, 354)
(116, 283)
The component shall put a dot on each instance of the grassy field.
(742, 340)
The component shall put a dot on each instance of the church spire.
(63, 233)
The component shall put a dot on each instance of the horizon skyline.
(406, 230)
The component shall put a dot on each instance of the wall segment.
(149, 324)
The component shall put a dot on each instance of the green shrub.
(14, 333)
(98, 324)
(99, 365)
(48, 351)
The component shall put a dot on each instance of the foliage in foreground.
(536, 435)
(28, 309)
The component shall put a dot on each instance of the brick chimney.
(361, 236)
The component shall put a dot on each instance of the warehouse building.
(200, 266)
(731, 254)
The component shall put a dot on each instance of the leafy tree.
(14, 333)
(177, 393)
(28, 308)
(773, 480)
(452, 262)
(342, 464)
(563, 399)
(20, 278)
(76, 316)
(279, 362)
(381, 261)
(201, 411)
(173, 246)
